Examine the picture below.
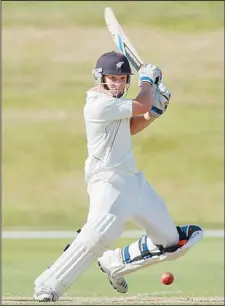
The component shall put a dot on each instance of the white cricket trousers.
(129, 197)
(114, 199)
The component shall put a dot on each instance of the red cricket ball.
(167, 278)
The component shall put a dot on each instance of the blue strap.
(126, 254)
(156, 110)
(145, 246)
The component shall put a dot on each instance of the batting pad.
(92, 241)
(144, 253)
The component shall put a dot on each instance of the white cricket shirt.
(107, 121)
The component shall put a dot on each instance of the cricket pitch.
(132, 300)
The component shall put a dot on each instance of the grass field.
(199, 276)
(49, 50)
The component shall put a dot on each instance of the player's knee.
(99, 235)
(166, 238)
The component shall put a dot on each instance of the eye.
(124, 78)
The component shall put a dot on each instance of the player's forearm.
(139, 123)
(143, 102)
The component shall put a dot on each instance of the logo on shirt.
(118, 65)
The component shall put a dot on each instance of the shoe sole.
(109, 279)
(101, 267)
(45, 300)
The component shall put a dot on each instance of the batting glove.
(161, 98)
(149, 73)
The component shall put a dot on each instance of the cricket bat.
(121, 40)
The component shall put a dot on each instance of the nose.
(120, 82)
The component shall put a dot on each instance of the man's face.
(116, 84)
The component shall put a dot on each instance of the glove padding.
(149, 73)
(161, 98)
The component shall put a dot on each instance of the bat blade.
(121, 40)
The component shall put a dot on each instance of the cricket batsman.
(117, 190)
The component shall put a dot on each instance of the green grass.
(176, 16)
(58, 177)
(49, 50)
(199, 273)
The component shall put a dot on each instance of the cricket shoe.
(118, 284)
(44, 294)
